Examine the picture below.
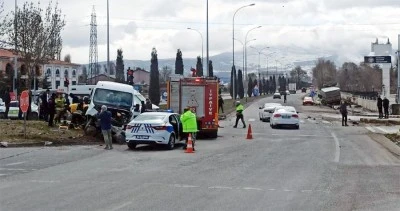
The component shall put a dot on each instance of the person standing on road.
(51, 109)
(7, 101)
(143, 108)
(284, 97)
(221, 104)
(343, 111)
(386, 107)
(379, 104)
(105, 122)
(239, 114)
(149, 105)
(189, 124)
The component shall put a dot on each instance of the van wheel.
(171, 142)
(132, 146)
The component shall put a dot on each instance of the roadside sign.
(24, 101)
(12, 96)
(377, 59)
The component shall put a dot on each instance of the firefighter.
(239, 114)
(189, 124)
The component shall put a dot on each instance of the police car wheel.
(132, 146)
(171, 142)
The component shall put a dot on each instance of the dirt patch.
(37, 132)
(395, 138)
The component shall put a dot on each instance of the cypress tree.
(199, 67)
(154, 89)
(179, 63)
(240, 84)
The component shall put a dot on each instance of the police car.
(154, 128)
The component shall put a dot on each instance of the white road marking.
(371, 129)
(219, 187)
(45, 181)
(121, 206)
(11, 169)
(13, 164)
(325, 122)
(305, 191)
(3, 175)
(383, 130)
(337, 147)
(301, 121)
(249, 188)
(185, 186)
(272, 189)
(251, 120)
(286, 190)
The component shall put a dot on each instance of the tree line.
(352, 77)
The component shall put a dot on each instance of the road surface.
(322, 166)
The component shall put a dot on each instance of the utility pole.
(208, 58)
(108, 39)
(16, 53)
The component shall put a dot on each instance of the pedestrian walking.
(343, 111)
(149, 105)
(189, 124)
(220, 104)
(239, 114)
(7, 100)
(386, 107)
(51, 109)
(44, 99)
(284, 97)
(143, 107)
(105, 121)
(379, 105)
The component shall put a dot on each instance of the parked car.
(154, 128)
(303, 90)
(277, 95)
(308, 101)
(266, 111)
(287, 92)
(2, 108)
(13, 112)
(285, 116)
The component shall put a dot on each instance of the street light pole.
(202, 44)
(108, 39)
(259, 55)
(233, 49)
(208, 58)
(245, 49)
(16, 54)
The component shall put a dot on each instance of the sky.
(341, 27)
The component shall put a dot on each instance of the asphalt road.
(322, 166)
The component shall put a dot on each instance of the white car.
(14, 111)
(266, 111)
(285, 116)
(2, 108)
(287, 92)
(277, 95)
(154, 128)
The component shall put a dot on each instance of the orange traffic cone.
(249, 133)
(189, 147)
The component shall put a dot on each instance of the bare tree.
(39, 34)
(362, 78)
(67, 58)
(165, 74)
(324, 73)
(298, 74)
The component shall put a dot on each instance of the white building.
(383, 50)
(58, 71)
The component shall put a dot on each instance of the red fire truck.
(201, 95)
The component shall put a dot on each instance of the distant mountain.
(282, 61)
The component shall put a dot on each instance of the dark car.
(303, 90)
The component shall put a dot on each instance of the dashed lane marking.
(14, 164)
(337, 147)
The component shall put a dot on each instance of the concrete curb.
(53, 144)
(385, 142)
(380, 121)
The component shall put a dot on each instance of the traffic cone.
(249, 133)
(189, 147)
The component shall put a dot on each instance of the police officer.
(239, 114)
(189, 124)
